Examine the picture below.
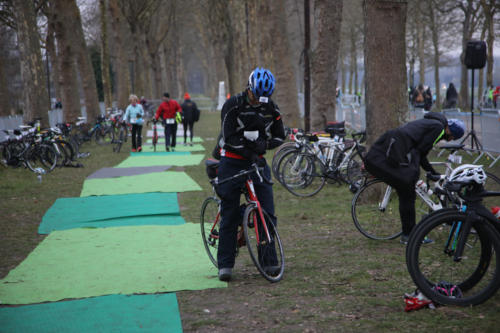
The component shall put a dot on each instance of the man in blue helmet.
(251, 124)
(396, 158)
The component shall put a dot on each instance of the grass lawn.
(335, 278)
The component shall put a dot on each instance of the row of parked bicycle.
(460, 264)
(42, 150)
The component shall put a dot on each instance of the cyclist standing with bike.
(251, 124)
(397, 155)
(169, 110)
(134, 115)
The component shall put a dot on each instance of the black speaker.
(475, 54)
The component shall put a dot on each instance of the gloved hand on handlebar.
(434, 176)
(261, 162)
(258, 146)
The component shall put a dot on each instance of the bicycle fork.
(457, 239)
(253, 198)
(385, 200)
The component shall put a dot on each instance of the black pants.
(230, 193)
(136, 136)
(187, 124)
(403, 179)
(170, 134)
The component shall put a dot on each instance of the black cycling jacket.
(238, 116)
(415, 138)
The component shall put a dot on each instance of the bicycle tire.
(259, 250)
(301, 173)
(106, 136)
(41, 156)
(355, 174)
(492, 184)
(209, 222)
(476, 274)
(70, 152)
(119, 142)
(61, 154)
(366, 203)
(278, 154)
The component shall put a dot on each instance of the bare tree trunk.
(105, 77)
(61, 19)
(4, 91)
(286, 90)
(385, 61)
(480, 82)
(84, 64)
(325, 59)
(122, 65)
(32, 72)
(420, 45)
(435, 44)
(50, 47)
(490, 10)
(352, 61)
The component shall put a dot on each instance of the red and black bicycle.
(256, 230)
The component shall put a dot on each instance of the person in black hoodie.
(396, 157)
(451, 97)
(190, 114)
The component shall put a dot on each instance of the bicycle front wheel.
(301, 173)
(266, 252)
(210, 223)
(471, 280)
(375, 211)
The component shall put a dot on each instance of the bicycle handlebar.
(254, 168)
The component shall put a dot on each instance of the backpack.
(196, 114)
(420, 97)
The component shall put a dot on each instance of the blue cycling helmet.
(457, 128)
(261, 81)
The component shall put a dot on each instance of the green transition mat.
(46, 228)
(158, 152)
(66, 212)
(120, 172)
(168, 181)
(178, 148)
(80, 263)
(113, 313)
(179, 140)
(175, 160)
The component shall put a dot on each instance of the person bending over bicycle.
(251, 124)
(397, 155)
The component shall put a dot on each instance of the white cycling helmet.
(468, 173)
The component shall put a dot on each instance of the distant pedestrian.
(168, 111)
(451, 97)
(134, 114)
(428, 99)
(418, 96)
(58, 104)
(190, 114)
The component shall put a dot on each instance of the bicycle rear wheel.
(301, 173)
(267, 255)
(370, 218)
(277, 156)
(492, 184)
(41, 158)
(209, 222)
(477, 273)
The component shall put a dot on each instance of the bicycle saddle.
(211, 166)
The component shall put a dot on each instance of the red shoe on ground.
(139, 149)
(133, 150)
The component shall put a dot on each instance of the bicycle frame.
(252, 198)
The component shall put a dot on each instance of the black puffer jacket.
(189, 111)
(239, 116)
(409, 144)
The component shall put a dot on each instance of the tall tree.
(385, 55)
(105, 70)
(490, 9)
(122, 65)
(286, 89)
(85, 68)
(50, 47)
(35, 96)
(61, 17)
(325, 60)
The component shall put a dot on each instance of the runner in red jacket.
(167, 111)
